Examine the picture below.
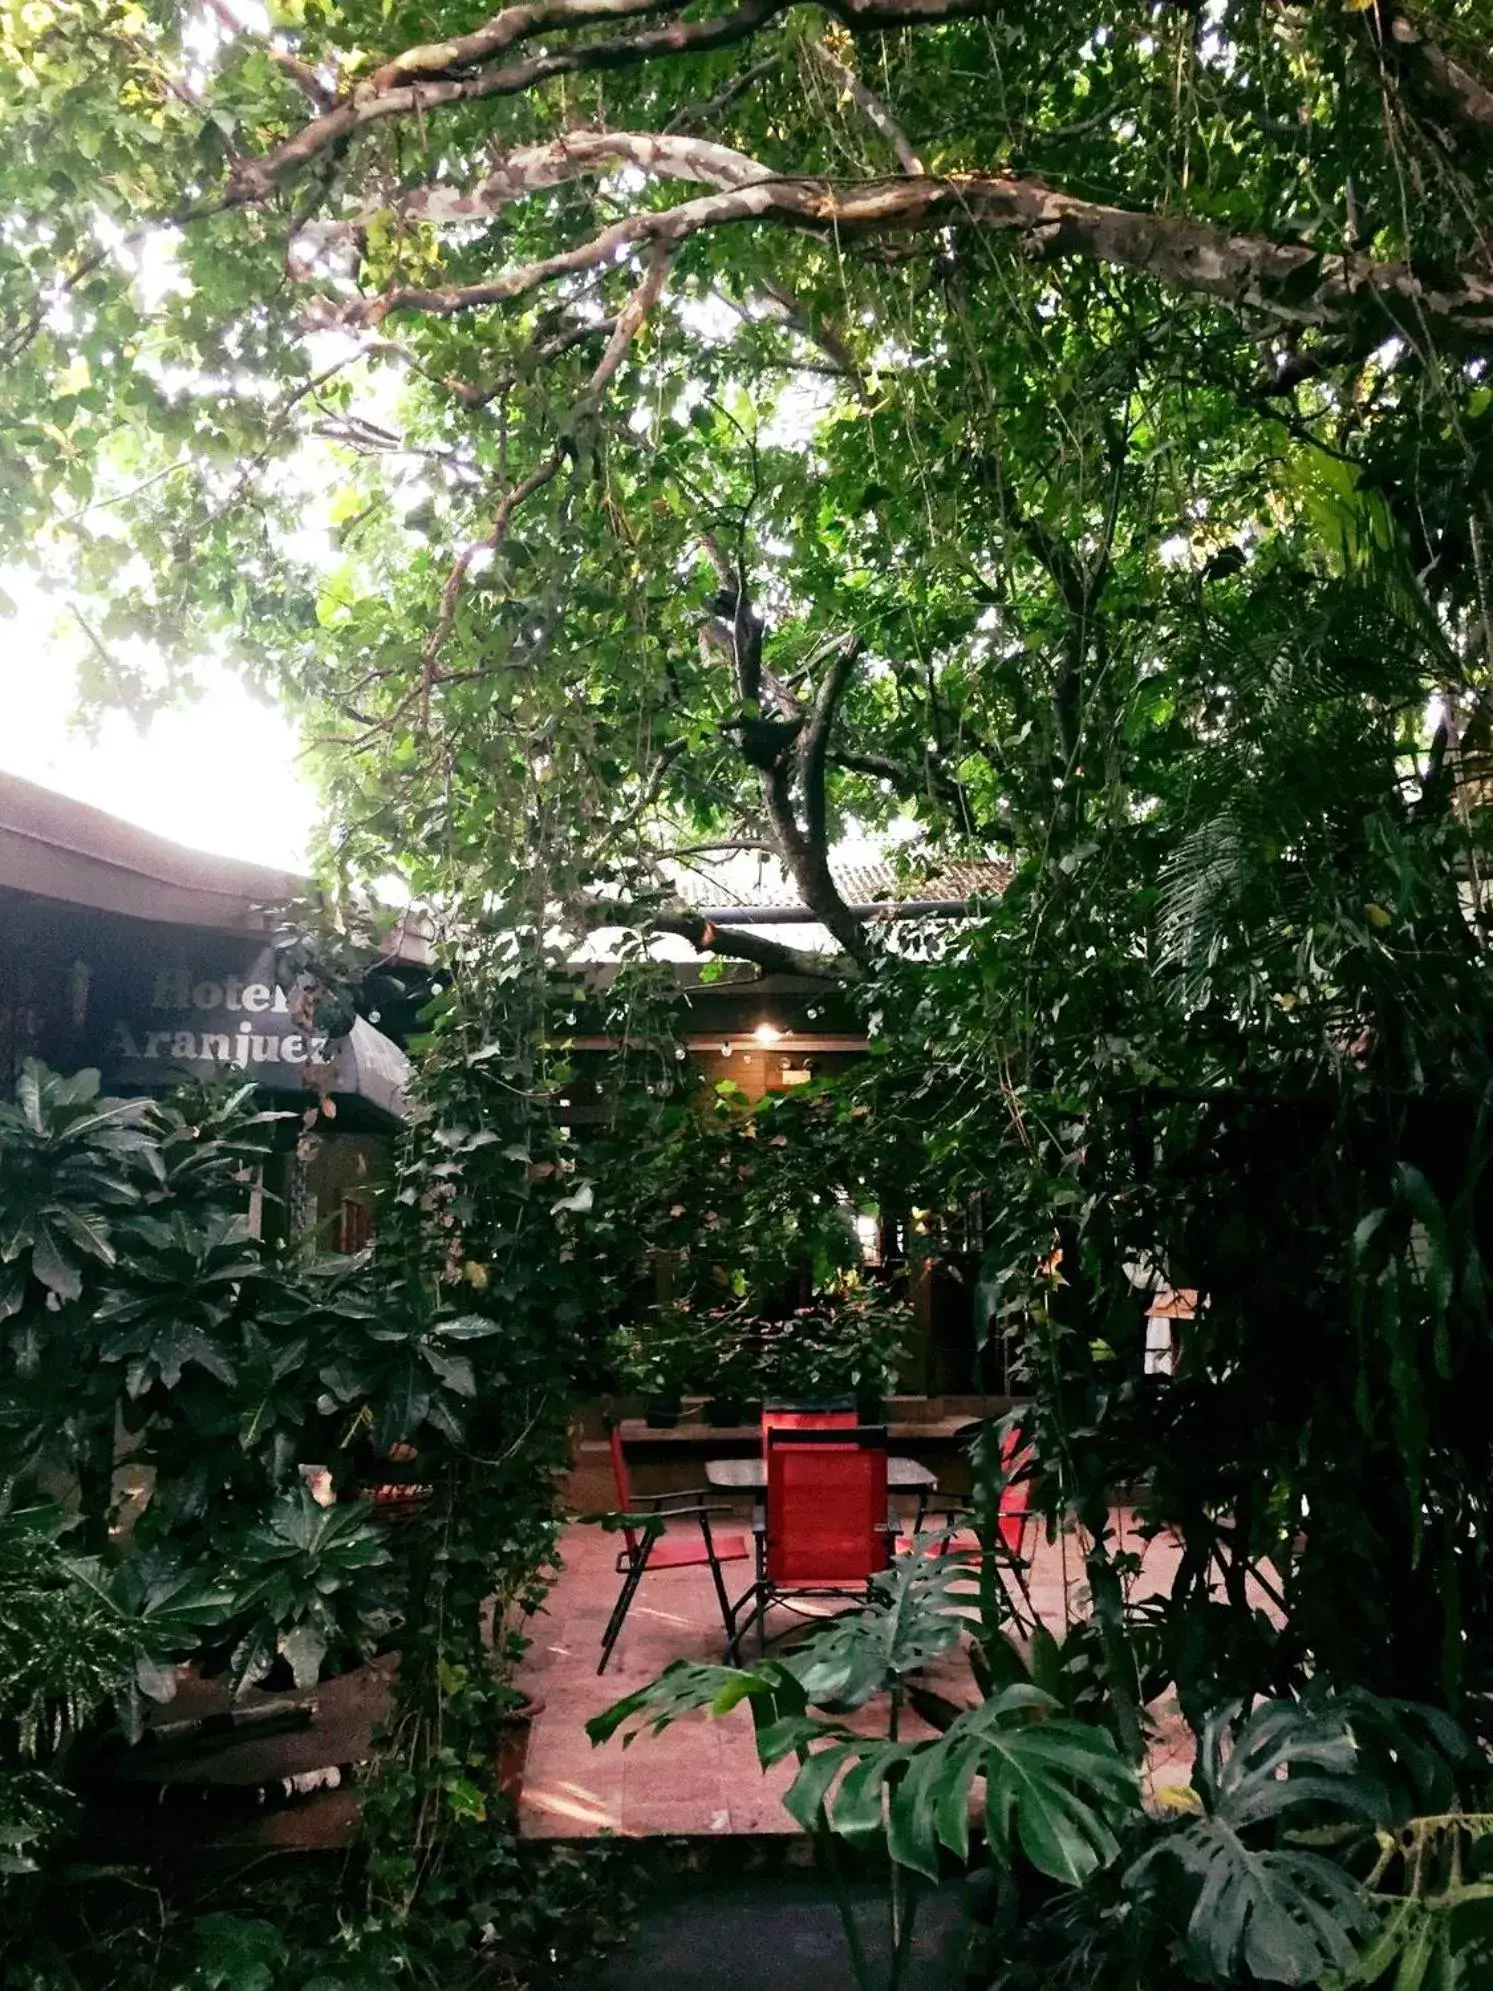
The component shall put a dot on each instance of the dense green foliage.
(141, 1308)
(1057, 433)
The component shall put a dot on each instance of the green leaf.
(466, 1800)
(1284, 1914)
(1056, 1787)
(805, 1798)
(304, 1649)
(253, 1656)
(88, 1230)
(53, 1266)
(468, 1327)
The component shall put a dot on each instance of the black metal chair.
(645, 1545)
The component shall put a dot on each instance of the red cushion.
(680, 1553)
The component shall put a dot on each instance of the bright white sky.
(220, 775)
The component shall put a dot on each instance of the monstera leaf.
(1257, 1903)
(687, 1686)
(918, 1609)
(1053, 1788)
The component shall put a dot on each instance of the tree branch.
(872, 105)
(930, 779)
(768, 745)
(629, 322)
(538, 354)
(813, 743)
(464, 53)
(821, 334)
(738, 632)
(751, 844)
(1287, 282)
(707, 112)
(743, 945)
(253, 180)
(301, 73)
(1408, 52)
(421, 80)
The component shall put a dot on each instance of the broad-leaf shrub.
(307, 1577)
(167, 1372)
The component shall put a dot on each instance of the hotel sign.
(194, 1020)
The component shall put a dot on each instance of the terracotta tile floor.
(702, 1776)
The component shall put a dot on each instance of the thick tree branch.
(463, 53)
(529, 169)
(1409, 53)
(743, 945)
(807, 850)
(777, 748)
(1286, 282)
(434, 88)
(813, 743)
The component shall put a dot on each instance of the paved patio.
(701, 1777)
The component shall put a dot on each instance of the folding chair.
(1016, 1524)
(645, 1546)
(825, 1530)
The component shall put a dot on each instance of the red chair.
(1015, 1508)
(825, 1530)
(641, 1522)
(1016, 1523)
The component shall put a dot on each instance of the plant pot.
(724, 1410)
(662, 1412)
(513, 1747)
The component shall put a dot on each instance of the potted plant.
(846, 1344)
(658, 1358)
(874, 1329)
(729, 1365)
(516, 1715)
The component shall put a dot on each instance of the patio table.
(750, 1475)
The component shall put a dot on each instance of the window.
(354, 1227)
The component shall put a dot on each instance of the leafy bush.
(135, 1298)
(311, 1580)
(848, 1342)
(65, 1651)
